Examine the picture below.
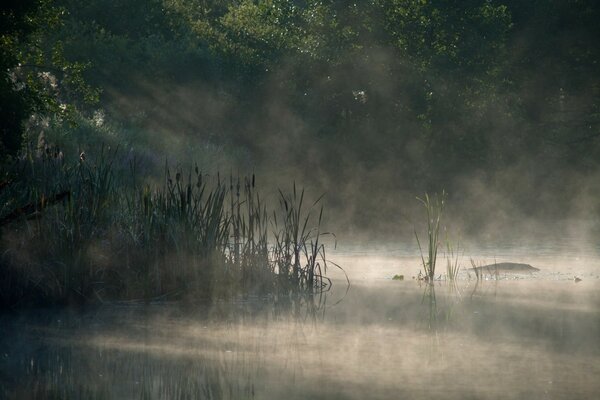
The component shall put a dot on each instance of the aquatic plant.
(46, 243)
(249, 252)
(452, 260)
(434, 208)
(299, 255)
(90, 231)
(480, 270)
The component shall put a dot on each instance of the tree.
(16, 100)
(35, 77)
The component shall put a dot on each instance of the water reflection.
(386, 339)
(156, 351)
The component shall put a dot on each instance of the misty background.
(372, 103)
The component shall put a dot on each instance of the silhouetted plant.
(84, 234)
(434, 208)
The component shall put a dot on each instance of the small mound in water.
(507, 267)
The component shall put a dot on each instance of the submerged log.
(506, 267)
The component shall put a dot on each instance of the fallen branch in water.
(33, 209)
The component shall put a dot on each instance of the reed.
(299, 255)
(248, 253)
(452, 260)
(477, 270)
(68, 207)
(89, 231)
(434, 208)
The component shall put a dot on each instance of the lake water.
(530, 336)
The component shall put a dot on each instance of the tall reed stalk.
(452, 260)
(477, 270)
(434, 208)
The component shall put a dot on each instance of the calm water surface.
(534, 336)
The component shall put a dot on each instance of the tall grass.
(299, 254)
(90, 231)
(434, 208)
(477, 270)
(45, 243)
(452, 260)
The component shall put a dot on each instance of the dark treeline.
(497, 101)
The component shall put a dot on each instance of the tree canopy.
(432, 88)
(36, 77)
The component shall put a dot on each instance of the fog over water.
(508, 336)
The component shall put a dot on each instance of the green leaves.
(39, 78)
(447, 35)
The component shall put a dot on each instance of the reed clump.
(89, 231)
(299, 255)
(452, 260)
(434, 207)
